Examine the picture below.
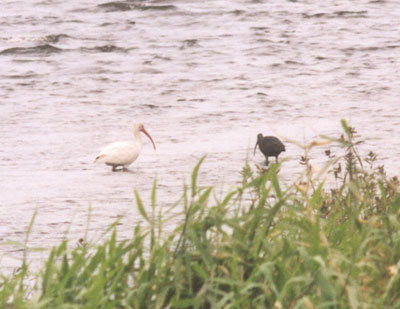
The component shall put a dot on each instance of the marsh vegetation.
(328, 239)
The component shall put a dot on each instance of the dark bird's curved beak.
(255, 147)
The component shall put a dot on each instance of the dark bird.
(270, 146)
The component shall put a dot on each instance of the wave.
(44, 49)
(116, 6)
(55, 38)
(338, 14)
(104, 49)
(369, 48)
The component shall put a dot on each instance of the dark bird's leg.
(276, 157)
(266, 161)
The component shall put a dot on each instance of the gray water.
(203, 76)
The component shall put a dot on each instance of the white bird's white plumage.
(119, 153)
(123, 153)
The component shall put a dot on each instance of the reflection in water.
(205, 78)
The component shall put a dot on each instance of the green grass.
(306, 244)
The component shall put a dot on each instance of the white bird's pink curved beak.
(148, 135)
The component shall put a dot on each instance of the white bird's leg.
(114, 167)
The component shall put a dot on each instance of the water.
(204, 78)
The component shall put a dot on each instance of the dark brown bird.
(270, 146)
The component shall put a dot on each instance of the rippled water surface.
(203, 76)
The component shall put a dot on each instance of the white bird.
(123, 153)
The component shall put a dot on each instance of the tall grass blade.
(195, 174)
(140, 206)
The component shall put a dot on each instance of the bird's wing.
(275, 142)
(118, 153)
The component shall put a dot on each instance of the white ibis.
(270, 146)
(123, 153)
